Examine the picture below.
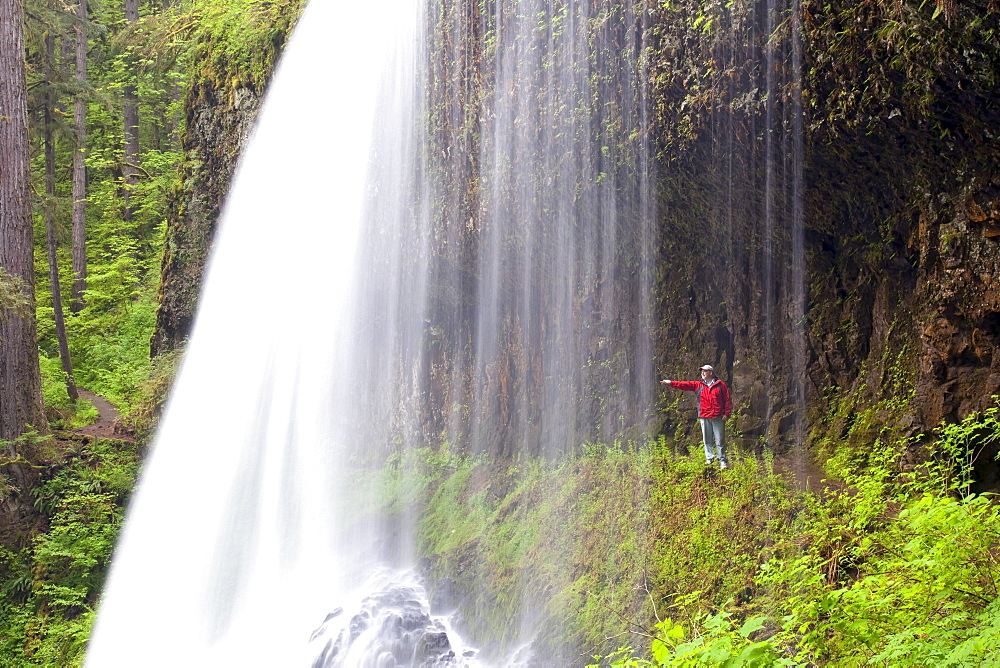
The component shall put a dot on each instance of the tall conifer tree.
(20, 378)
(131, 170)
(79, 165)
(51, 237)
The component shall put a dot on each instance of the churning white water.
(228, 556)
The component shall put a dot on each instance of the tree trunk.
(20, 379)
(49, 215)
(174, 122)
(79, 167)
(131, 171)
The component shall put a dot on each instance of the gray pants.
(713, 432)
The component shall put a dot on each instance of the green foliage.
(611, 535)
(237, 42)
(718, 641)
(51, 586)
(895, 55)
(151, 393)
(899, 570)
(890, 567)
(962, 445)
(714, 529)
(109, 338)
(157, 57)
(115, 349)
(921, 589)
(61, 412)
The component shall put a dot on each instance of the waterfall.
(783, 257)
(229, 552)
(503, 303)
(518, 285)
(450, 245)
(800, 294)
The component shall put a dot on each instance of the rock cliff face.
(923, 140)
(958, 294)
(831, 263)
(218, 125)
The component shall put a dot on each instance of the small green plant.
(896, 565)
(962, 444)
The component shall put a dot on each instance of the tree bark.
(49, 215)
(79, 236)
(20, 379)
(131, 171)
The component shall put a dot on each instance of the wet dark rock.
(218, 128)
(435, 643)
(902, 221)
(393, 629)
(446, 595)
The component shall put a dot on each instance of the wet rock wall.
(898, 226)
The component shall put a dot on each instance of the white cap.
(708, 367)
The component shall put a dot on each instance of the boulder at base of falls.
(392, 628)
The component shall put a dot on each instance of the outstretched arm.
(688, 385)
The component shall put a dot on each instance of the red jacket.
(713, 400)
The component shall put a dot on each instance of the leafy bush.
(112, 349)
(51, 586)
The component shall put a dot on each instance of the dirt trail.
(107, 416)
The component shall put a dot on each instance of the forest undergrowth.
(648, 558)
(897, 566)
(52, 584)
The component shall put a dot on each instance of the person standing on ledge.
(714, 406)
